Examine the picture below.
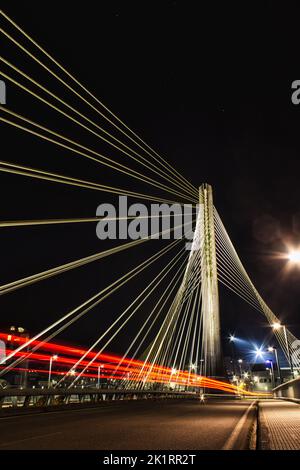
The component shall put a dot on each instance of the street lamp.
(192, 367)
(272, 371)
(232, 340)
(240, 361)
(277, 326)
(99, 374)
(294, 256)
(201, 366)
(274, 350)
(52, 358)
(259, 353)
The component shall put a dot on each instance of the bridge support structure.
(211, 339)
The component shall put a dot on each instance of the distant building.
(262, 377)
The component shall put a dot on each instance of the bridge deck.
(165, 424)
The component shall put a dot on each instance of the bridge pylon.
(211, 339)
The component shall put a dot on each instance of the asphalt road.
(148, 425)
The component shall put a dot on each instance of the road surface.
(148, 425)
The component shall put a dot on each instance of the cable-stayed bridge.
(183, 326)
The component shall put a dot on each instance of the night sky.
(210, 89)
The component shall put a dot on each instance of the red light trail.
(113, 367)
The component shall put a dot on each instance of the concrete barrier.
(288, 390)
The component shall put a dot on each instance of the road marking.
(29, 439)
(229, 444)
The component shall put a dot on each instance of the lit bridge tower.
(211, 340)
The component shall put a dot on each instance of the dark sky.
(210, 89)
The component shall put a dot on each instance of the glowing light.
(271, 349)
(231, 338)
(294, 256)
(259, 353)
(55, 357)
(276, 326)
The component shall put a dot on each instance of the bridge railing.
(40, 398)
(288, 390)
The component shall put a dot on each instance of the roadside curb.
(243, 437)
(263, 439)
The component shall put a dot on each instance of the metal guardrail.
(25, 398)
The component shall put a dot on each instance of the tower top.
(205, 192)
(205, 186)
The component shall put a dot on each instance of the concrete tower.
(211, 343)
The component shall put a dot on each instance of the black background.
(209, 87)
